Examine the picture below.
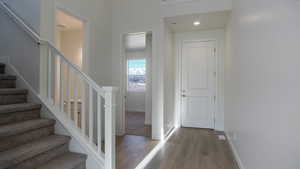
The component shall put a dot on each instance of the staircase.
(26, 140)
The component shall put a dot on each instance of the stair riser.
(42, 158)
(13, 99)
(14, 117)
(7, 83)
(14, 141)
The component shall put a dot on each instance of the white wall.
(173, 8)
(71, 44)
(29, 10)
(262, 85)
(148, 100)
(135, 101)
(219, 36)
(169, 79)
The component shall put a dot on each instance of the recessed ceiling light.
(196, 23)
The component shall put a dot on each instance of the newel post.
(110, 127)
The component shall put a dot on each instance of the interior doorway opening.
(136, 141)
(137, 102)
(70, 34)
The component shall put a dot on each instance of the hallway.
(194, 149)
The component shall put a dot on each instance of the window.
(136, 75)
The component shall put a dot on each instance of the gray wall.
(29, 10)
(21, 48)
(262, 86)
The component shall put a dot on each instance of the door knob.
(183, 95)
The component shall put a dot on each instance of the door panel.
(198, 84)
(197, 65)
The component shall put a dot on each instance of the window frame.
(129, 88)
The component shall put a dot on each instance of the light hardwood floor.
(131, 150)
(194, 149)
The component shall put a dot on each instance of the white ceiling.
(213, 20)
(176, 1)
(66, 22)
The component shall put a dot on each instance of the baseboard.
(235, 153)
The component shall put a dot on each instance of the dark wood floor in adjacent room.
(135, 124)
(194, 149)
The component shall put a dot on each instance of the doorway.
(70, 39)
(137, 83)
(136, 142)
(69, 36)
(198, 90)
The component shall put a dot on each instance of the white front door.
(198, 84)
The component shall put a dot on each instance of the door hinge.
(215, 50)
(215, 98)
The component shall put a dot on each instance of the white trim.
(213, 114)
(155, 150)
(235, 152)
(179, 76)
(74, 131)
(219, 44)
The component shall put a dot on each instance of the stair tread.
(7, 77)
(22, 127)
(19, 107)
(27, 151)
(66, 161)
(13, 91)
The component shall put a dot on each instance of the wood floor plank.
(194, 149)
(131, 150)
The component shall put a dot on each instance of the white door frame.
(124, 82)
(212, 124)
(217, 36)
